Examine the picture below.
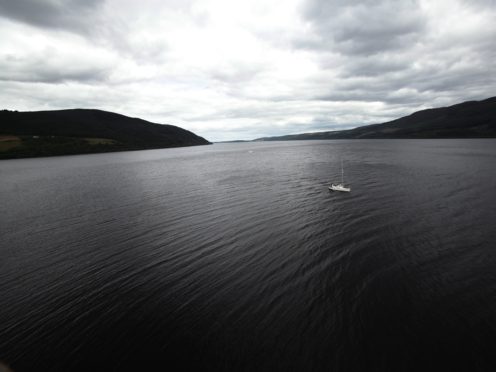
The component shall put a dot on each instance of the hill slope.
(472, 119)
(77, 131)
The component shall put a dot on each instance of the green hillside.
(472, 119)
(80, 131)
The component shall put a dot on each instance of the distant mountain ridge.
(76, 131)
(471, 119)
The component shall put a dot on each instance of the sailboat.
(340, 186)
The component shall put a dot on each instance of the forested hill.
(77, 131)
(472, 119)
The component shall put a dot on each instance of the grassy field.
(28, 146)
(9, 142)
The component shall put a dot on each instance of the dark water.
(236, 257)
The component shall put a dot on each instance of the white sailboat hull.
(339, 187)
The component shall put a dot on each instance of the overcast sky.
(229, 69)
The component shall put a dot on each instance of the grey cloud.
(42, 96)
(391, 52)
(374, 66)
(88, 18)
(368, 62)
(71, 15)
(48, 75)
(49, 70)
(372, 89)
(480, 3)
(363, 28)
(462, 80)
(411, 88)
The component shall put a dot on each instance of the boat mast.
(342, 172)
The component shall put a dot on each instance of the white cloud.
(240, 70)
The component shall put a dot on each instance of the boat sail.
(340, 186)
